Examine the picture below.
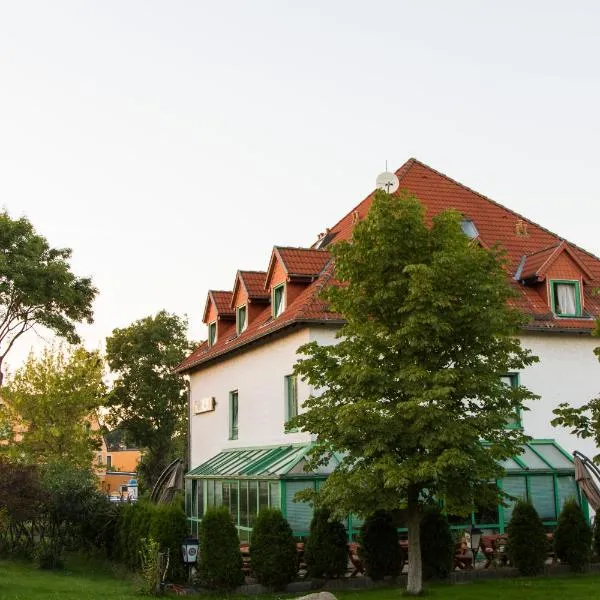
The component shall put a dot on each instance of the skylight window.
(469, 228)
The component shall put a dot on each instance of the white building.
(242, 391)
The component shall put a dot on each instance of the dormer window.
(241, 319)
(212, 333)
(566, 298)
(278, 300)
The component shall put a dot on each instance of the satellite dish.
(388, 182)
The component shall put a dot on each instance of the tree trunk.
(415, 571)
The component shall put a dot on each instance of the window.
(469, 229)
(291, 397)
(278, 300)
(233, 415)
(512, 381)
(566, 298)
(241, 320)
(212, 333)
(108, 461)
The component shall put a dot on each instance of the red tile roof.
(524, 241)
(537, 265)
(298, 263)
(222, 301)
(254, 284)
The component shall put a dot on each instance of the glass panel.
(531, 459)
(234, 503)
(554, 456)
(299, 514)
(194, 498)
(291, 397)
(212, 333)
(210, 493)
(252, 502)
(218, 493)
(356, 522)
(200, 498)
(542, 496)
(515, 486)
(226, 495)
(567, 489)
(487, 516)
(263, 494)
(241, 322)
(233, 415)
(565, 301)
(274, 495)
(469, 229)
(188, 497)
(244, 503)
(278, 300)
(510, 465)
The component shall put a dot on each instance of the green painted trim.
(500, 508)
(212, 333)
(237, 318)
(233, 435)
(520, 463)
(282, 497)
(556, 497)
(576, 284)
(529, 496)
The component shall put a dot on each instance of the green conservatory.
(248, 479)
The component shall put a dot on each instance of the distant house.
(116, 466)
(242, 390)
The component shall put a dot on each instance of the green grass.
(81, 580)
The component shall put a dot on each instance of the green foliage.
(37, 286)
(379, 548)
(148, 400)
(325, 551)
(437, 544)
(150, 559)
(220, 557)
(414, 381)
(273, 552)
(573, 537)
(596, 536)
(526, 539)
(52, 401)
(49, 554)
(168, 526)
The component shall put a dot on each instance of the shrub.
(150, 558)
(220, 557)
(49, 554)
(596, 534)
(572, 537)
(379, 548)
(168, 526)
(526, 539)
(273, 552)
(326, 552)
(437, 544)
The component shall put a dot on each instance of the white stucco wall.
(568, 371)
(258, 375)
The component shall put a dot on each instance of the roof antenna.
(386, 181)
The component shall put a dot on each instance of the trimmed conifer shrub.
(526, 539)
(325, 551)
(379, 548)
(572, 537)
(437, 544)
(596, 539)
(273, 554)
(220, 557)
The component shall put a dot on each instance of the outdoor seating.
(463, 557)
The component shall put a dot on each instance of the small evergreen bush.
(325, 551)
(526, 539)
(572, 537)
(379, 548)
(273, 554)
(168, 526)
(596, 534)
(437, 544)
(220, 557)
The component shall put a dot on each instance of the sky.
(171, 143)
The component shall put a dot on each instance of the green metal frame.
(212, 333)
(237, 318)
(276, 289)
(290, 389)
(574, 282)
(234, 429)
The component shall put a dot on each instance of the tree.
(51, 405)
(326, 551)
(573, 536)
(149, 400)
(414, 382)
(526, 539)
(37, 286)
(584, 421)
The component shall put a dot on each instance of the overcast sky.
(171, 143)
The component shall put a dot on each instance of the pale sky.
(171, 143)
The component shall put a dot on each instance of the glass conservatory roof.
(276, 462)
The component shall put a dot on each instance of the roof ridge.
(510, 210)
(251, 271)
(553, 247)
(220, 291)
(300, 248)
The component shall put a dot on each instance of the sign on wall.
(204, 405)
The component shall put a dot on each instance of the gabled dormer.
(559, 276)
(249, 298)
(218, 315)
(290, 271)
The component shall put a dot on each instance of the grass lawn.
(81, 580)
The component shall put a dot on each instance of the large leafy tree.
(413, 385)
(584, 420)
(50, 408)
(148, 400)
(37, 287)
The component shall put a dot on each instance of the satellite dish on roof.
(388, 182)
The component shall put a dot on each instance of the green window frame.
(291, 398)
(241, 320)
(554, 287)
(233, 414)
(513, 382)
(278, 300)
(212, 333)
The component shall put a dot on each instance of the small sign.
(204, 405)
